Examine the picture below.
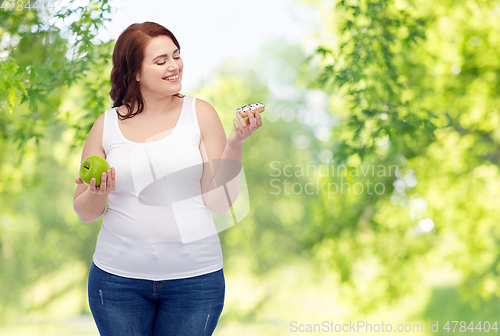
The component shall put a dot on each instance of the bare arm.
(89, 202)
(220, 181)
(89, 207)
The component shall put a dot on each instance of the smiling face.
(161, 60)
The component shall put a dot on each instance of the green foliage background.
(407, 84)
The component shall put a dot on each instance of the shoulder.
(96, 132)
(205, 111)
(208, 118)
(93, 144)
(204, 106)
(99, 124)
(98, 127)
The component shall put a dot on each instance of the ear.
(137, 78)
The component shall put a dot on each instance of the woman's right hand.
(107, 183)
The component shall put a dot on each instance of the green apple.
(93, 166)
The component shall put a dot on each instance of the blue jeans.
(136, 307)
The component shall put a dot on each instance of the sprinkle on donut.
(250, 107)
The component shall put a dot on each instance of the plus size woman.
(157, 267)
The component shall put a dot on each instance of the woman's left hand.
(246, 127)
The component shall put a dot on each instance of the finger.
(92, 184)
(242, 121)
(102, 187)
(239, 116)
(248, 123)
(108, 178)
(258, 119)
(251, 119)
(236, 126)
(112, 185)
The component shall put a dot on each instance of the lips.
(171, 77)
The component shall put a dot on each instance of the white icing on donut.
(248, 107)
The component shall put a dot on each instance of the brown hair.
(128, 55)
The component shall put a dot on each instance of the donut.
(257, 107)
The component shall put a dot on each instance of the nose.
(172, 65)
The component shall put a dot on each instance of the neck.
(155, 105)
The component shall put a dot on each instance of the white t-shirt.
(148, 230)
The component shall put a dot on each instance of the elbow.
(84, 219)
(218, 201)
(87, 213)
(80, 217)
(77, 214)
(226, 206)
(221, 207)
(221, 212)
(215, 207)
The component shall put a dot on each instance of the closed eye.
(164, 62)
